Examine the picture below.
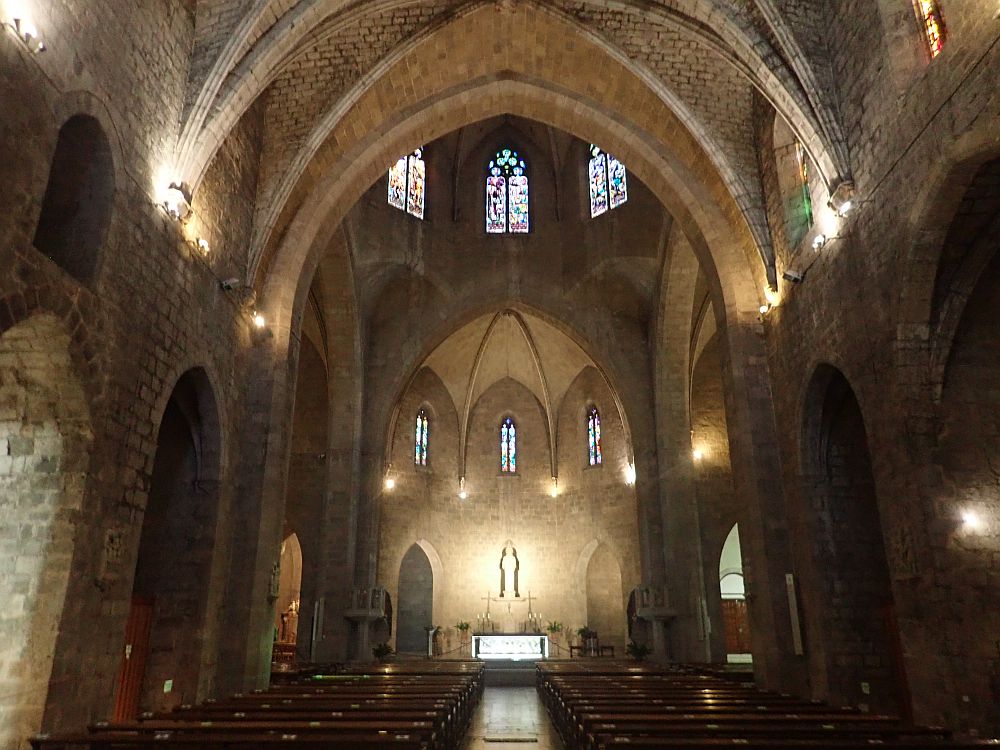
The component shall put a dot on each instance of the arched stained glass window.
(932, 23)
(803, 161)
(420, 439)
(594, 436)
(407, 182)
(608, 182)
(508, 446)
(507, 194)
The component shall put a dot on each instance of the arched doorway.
(165, 631)
(45, 438)
(286, 614)
(859, 650)
(735, 622)
(605, 599)
(415, 600)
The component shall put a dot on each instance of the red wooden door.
(140, 619)
(736, 625)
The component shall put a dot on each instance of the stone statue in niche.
(510, 567)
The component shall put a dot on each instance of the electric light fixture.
(818, 242)
(259, 320)
(462, 494)
(842, 198)
(176, 202)
(27, 33)
(554, 489)
(630, 474)
(202, 244)
(697, 454)
(971, 520)
(389, 484)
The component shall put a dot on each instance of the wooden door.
(133, 668)
(736, 625)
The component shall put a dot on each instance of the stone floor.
(511, 717)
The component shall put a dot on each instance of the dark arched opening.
(166, 630)
(859, 650)
(78, 198)
(416, 601)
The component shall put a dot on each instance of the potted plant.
(638, 651)
(382, 651)
(588, 638)
(464, 629)
(555, 630)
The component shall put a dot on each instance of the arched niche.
(76, 209)
(605, 599)
(166, 643)
(415, 601)
(856, 641)
(45, 439)
(286, 610)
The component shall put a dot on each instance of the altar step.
(510, 673)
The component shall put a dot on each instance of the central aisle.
(515, 715)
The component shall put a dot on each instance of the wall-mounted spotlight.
(697, 454)
(203, 247)
(792, 276)
(177, 202)
(389, 484)
(971, 520)
(819, 241)
(27, 34)
(630, 474)
(259, 320)
(842, 198)
(462, 494)
(764, 309)
(554, 488)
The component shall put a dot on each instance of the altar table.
(511, 646)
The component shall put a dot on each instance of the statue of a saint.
(509, 569)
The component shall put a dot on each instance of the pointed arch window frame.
(802, 159)
(595, 450)
(407, 184)
(421, 439)
(932, 25)
(507, 193)
(607, 179)
(508, 446)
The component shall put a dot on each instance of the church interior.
(443, 348)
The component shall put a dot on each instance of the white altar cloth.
(514, 647)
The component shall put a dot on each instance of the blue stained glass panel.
(496, 204)
(598, 186)
(415, 186)
(617, 182)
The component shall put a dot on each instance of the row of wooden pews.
(600, 705)
(404, 706)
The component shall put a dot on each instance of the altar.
(513, 647)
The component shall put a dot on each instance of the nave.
(582, 704)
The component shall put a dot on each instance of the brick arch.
(234, 82)
(46, 441)
(402, 81)
(923, 335)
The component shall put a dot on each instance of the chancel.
(399, 358)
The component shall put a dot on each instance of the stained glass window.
(507, 194)
(407, 183)
(929, 14)
(508, 446)
(803, 161)
(420, 439)
(608, 182)
(594, 436)
(397, 185)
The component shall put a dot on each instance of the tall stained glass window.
(608, 182)
(407, 183)
(594, 436)
(932, 22)
(803, 161)
(507, 194)
(508, 446)
(420, 439)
